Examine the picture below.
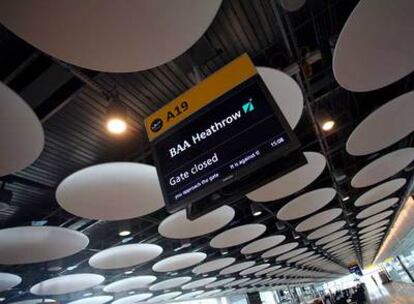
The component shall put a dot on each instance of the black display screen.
(232, 136)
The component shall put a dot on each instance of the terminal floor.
(394, 293)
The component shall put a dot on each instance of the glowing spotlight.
(124, 233)
(116, 126)
(328, 125)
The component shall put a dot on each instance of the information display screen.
(238, 132)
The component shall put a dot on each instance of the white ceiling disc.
(130, 283)
(263, 244)
(34, 301)
(237, 282)
(379, 192)
(237, 267)
(93, 300)
(318, 220)
(376, 218)
(372, 233)
(325, 230)
(198, 283)
(94, 193)
(377, 208)
(67, 284)
(254, 269)
(179, 261)
(29, 244)
(267, 270)
(371, 51)
(383, 168)
(8, 280)
(177, 226)
(336, 242)
(251, 282)
(133, 299)
(237, 235)
(285, 91)
(170, 283)
(292, 5)
(21, 131)
(306, 204)
(189, 295)
(372, 238)
(213, 265)
(126, 36)
(331, 237)
(365, 140)
(292, 182)
(164, 297)
(373, 226)
(125, 256)
(279, 250)
(290, 254)
(209, 293)
(220, 282)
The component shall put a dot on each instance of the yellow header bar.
(217, 84)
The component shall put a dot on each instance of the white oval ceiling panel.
(213, 265)
(377, 208)
(267, 270)
(29, 244)
(376, 218)
(237, 267)
(331, 237)
(237, 282)
(365, 140)
(370, 52)
(254, 269)
(94, 193)
(237, 235)
(290, 254)
(130, 284)
(301, 257)
(164, 297)
(34, 301)
(189, 295)
(133, 299)
(93, 300)
(379, 192)
(179, 261)
(67, 284)
(198, 283)
(170, 283)
(108, 36)
(209, 293)
(285, 91)
(21, 132)
(336, 242)
(325, 230)
(279, 250)
(374, 226)
(220, 282)
(177, 226)
(124, 256)
(292, 182)
(306, 204)
(292, 5)
(318, 220)
(383, 168)
(8, 280)
(263, 244)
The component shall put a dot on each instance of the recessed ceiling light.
(116, 117)
(124, 233)
(345, 198)
(71, 267)
(131, 292)
(116, 126)
(2, 299)
(328, 125)
(128, 272)
(88, 294)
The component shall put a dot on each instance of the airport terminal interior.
(206, 151)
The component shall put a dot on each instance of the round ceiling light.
(178, 226)
(129, 40)
(365, 140)
(125, 256)
(67, 284)
(306, 204)
(29, 244)
(383, 168)
(21, 131)
(292, 182)
(94, 193)
(237, 235)
(371, 51)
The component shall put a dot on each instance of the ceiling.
(71, 106)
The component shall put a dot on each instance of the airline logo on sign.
(208, 90)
